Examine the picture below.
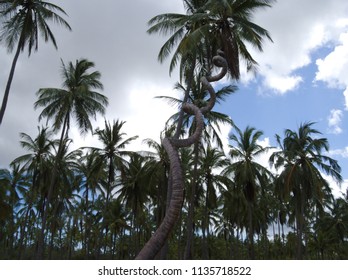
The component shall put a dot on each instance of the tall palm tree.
(199, 96)
(212, 161)
(92, 173)
(207, 27)
(220, 24)
(247, 174)
(176, 179)
(38, 164)
(24, 21)
(192, 33)
(112, 156)
(302, 161)
(78, 99)
(134, 192)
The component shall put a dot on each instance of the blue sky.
(302, 74)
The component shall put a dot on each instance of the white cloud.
(339, 152)
(334, 67)
(298, 32)
(334, 121)
(281, 84)
(263, 159)
(337, 189)
(345, 94)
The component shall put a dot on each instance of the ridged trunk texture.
(171, 145)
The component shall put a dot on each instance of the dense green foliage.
(106, 202)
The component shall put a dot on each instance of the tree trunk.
(9, 82)
(251, 231)
(156, 242)
(41, 241)
(190, 216)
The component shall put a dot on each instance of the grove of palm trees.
(186, 196)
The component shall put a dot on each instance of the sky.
(302, 76)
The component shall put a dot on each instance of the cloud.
(281, 83)
(334, 121)
(297, 34)
(122, 51)
(337, 189)
(334, 67)
(339, 152)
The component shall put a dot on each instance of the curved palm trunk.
(156, 242)
(9, 82)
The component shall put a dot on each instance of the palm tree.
(192, 32)
(212, 161)
(302, 161)
(207, 27)
(134, 192)
(66, 184)
(176, 179)
(14, 185)
(199, 96)
(24, 21)
(92, 173)
(112, 156)
(37, 163)
(78, 99)
(219, 24)
(247, 174)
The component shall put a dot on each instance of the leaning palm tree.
(24, 20)
(247, 174)
(302, 161)
(77, 99)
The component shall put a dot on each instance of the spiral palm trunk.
(172, 145)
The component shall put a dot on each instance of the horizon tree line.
(108, 202)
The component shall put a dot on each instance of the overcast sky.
(302, 75)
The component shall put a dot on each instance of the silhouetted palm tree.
(24, 21)
(247, 174)
(78, 99)
(302, 161)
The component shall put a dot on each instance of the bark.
(190, 222)
(251, 231)
(9, 82)
(156, 242)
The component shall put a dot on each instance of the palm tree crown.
(211, 25)
(77, 98)
(302, 160)
(26, 20)
(22, 22)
